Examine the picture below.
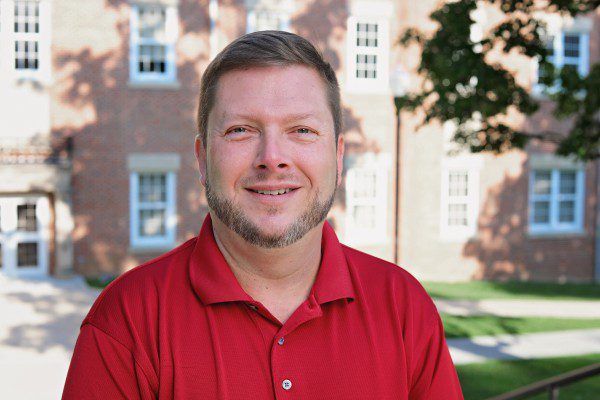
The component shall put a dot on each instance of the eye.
(238, 133)
(305, 134)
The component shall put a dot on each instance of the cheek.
(225, 168)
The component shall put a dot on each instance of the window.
(567, 49)
(152, 44)
(24, 36)
(460, 203)
(366, 205)
(556, 200)
(153, 217)
(268, 15)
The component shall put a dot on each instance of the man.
(265, 303)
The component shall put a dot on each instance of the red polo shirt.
(181, 327)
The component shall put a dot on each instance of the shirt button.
(286, 384)
(281, 341)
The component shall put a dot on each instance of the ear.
(200, 152)
(340, 158)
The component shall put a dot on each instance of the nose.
(273, 153)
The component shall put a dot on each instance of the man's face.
(271, 164)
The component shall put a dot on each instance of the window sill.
(152, 249)
(173, 85)
(557, 234)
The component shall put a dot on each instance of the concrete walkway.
(39, 326)
(521, 308)
(526, 346)
(40, 321)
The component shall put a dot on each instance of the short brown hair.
(263, 49)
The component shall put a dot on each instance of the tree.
(462, 85)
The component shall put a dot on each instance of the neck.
(279, 278)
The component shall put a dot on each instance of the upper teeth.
(274, 192)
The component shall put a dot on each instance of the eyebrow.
(293, 117)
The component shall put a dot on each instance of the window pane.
(366, 66)
(152, 58)
(568, 182)
(566, 211)
(26, 54)
(366, 35)
(1, 256)
(268, 20)
(26, 218)
(152, 188)
(364, 216)
(365, 184)
(542, 181)
(571, 46)
(457, 215)
(152, 223)
(27, 16)
(458, 183)
(541, 212)
(27, 254)
(152, 22)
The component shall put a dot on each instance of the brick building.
(97, 172)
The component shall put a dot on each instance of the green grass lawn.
(484, 380)
(513, 290)
(456, 326)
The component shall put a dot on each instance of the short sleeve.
(103, 368)
(434, 374)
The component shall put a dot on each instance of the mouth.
(275, 192)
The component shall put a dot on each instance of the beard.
(234, 218)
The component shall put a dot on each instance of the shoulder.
(133, 298)
(388, 283)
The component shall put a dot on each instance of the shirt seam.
(118, 281)
(150, 381)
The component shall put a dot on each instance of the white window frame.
(8, 37)
(554, 226)
(282, 9)
(560, 60)
(557, 27)
(381, 51)
(168, 239)
(171, 33)
(471, 199)
(354, 233)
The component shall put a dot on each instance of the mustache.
(265, 176)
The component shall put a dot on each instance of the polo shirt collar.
(213, 281)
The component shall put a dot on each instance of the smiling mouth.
(273, 192)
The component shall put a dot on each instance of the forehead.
(271, 91)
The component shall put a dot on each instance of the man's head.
(266, 49)
(269, 151)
